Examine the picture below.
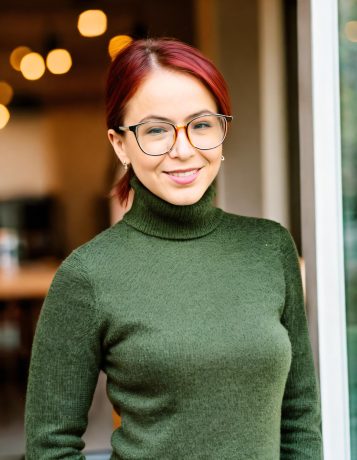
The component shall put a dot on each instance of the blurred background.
(57, 168)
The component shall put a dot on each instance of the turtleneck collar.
(156, 217)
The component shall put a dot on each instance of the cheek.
(137, 158)
(214, 157)
(131, 148)
(143, 163)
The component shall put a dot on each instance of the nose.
(182, 148)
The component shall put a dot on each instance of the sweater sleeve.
(64, 367)
(301, 416)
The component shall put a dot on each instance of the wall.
(246, 41)
(26, 162)
(63, 151)
(83, 154)
(240, 187)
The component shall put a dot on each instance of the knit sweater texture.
(197, 318)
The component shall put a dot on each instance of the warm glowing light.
(32, 66)
(92, 23)
(117, 43)
(17, 54)
(351, 31)
(4, 116)
(59, 61)
(6, 93)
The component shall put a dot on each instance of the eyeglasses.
(204, 132)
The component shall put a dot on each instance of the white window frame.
(322, 221)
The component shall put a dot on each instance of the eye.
(155, 130)
(202, 125)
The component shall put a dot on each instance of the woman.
(195, 315)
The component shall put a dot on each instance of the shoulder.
(256, 232)
(253, 225)
(97, 252)
(111, 239)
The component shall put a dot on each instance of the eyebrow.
(160, 118)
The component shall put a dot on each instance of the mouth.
(183, 172)
(183, 177)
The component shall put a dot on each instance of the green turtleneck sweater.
(197, 318)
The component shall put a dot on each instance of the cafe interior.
(57, 168)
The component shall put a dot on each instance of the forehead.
(171, 94)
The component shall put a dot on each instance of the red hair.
(132, 65)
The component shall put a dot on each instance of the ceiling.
(43, 25)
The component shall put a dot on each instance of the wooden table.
(28, 281)
(23, 289)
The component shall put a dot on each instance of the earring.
(126, 166)
(222, 158)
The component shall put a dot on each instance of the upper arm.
(64, 367)
(301, 417)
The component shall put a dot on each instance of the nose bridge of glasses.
(181, 126)
(184, 128)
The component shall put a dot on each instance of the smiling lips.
(183, 176)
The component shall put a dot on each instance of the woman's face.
(176, 97)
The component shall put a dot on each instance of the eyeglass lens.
(206, 132)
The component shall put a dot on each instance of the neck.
(156, 217)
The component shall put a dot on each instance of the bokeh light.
(351, 31)
(16, 56)
(32, 66)
(117, 43)
(6, 93)
(4, 116)
(59, 61)
(92, 23)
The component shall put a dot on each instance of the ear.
(119, 145)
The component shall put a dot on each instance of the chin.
(184, 197)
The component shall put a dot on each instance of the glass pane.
(348, 78)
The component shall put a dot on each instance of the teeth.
(183, 174)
